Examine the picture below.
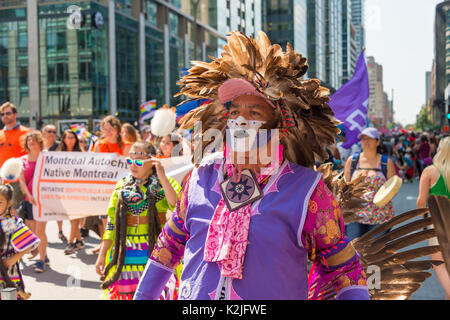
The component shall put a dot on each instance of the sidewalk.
(69, 277)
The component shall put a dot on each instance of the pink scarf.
(227, 237)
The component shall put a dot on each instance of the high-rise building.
(333, 43)
(441, 71)
(286, 21)
(350, 52)
(65, 60)
(381, 112)
(226, 16)
(316, 26)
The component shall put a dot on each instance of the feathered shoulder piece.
(307, 123)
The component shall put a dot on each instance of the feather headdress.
(307, 123)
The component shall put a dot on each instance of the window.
(85, 69)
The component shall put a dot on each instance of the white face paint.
(242, 134)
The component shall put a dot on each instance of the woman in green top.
(135, 214)
(435, 180)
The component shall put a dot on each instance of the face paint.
(243, 135)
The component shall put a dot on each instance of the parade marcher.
(378, 168)
(110, 142)
(167, 144)
(11, 144)
(255, 86)
(70, 143)
(146, 133)
(435, 179)
(16, 239)
(51, 144)
(423, 154)
(130, 133)
(34, 144)
(137, 204)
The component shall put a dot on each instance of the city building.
(380, 112)
(286, 21)
(77, 61)
(350, 52)
(357, 8)
(441, 66)
(225, 16)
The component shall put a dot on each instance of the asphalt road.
(69, 277)
(73, 277)
(406, 200)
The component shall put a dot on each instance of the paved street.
(73, 277)
(69, 277)
(406, 200)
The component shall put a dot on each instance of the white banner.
(79, 184)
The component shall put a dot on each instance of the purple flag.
(350, 103)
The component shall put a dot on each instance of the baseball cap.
(233, 88)
(370, 132)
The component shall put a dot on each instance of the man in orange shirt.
(12, 143)
(12, 134)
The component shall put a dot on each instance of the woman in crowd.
(34, 144)
(51, 144)
(70, 143)
(423, 154)
(435, 179)
(136, 206)
(111, 142)
(378, 168)
(129, 133)
(167, 144)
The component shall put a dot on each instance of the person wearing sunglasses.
(12, 135)
(12, 138)
(136, 214)
(49, 133)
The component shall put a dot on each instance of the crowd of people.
(18, 141)
(193, 240)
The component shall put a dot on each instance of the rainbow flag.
(148, 109)
(81, 130)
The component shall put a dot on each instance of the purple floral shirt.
(323, 237)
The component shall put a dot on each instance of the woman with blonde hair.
(435, 179)
(33, 144)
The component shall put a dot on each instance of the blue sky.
(399, 34)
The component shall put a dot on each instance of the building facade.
(380, 112)
(357, 8)
(225, 16)
(350, 52)
(286, 21)
(63, 61)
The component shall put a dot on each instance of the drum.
(387, 191)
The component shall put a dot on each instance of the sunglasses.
(137, 162)
(51, 131)
(6, 113)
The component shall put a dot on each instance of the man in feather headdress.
(245, 227)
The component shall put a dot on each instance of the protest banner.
(75, 184)
(69, 185)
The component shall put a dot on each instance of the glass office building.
(88, 59)
(285, 21)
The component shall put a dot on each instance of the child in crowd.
(15, 240)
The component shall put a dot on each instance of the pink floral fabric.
(323, 232)
(227, 237)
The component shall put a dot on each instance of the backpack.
(384, 160)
